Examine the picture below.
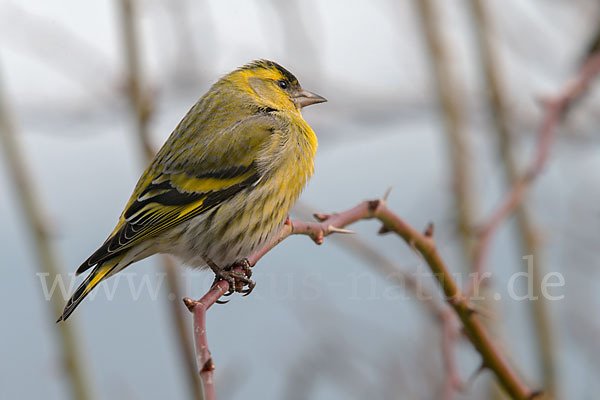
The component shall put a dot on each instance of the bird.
(222, 184)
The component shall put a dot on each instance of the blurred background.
(90, 88)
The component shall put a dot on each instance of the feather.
(183, 190)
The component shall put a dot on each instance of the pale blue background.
(320, 324)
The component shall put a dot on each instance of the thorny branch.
(555, 107)
(203, 356)
(423, 243)
(449, 92)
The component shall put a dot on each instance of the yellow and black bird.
(223, 183)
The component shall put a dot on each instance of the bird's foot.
(245, 266)
(239, 281)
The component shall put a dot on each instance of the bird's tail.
(97, 275)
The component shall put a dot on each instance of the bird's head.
(272, 86)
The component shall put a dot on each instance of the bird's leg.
(237, 280)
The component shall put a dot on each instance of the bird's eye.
(282, 84)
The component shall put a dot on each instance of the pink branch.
(424, 244)
(329, 223)
(203, 356)
(556, 107)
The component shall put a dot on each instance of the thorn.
(387, 193)
(383, 230)
(429, 230)
(189, 303)
(321, 217)
(373, 204)
(333, 229)
(208, 366)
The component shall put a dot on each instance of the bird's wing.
(203, 174)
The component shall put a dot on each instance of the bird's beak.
(304, 98)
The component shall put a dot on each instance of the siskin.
(223, 183)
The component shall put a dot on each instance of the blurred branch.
(70, 348)
(449, 89)
(141, 102)
(203, 356)
(139, 96)
(422, 243)
(498, 104)
(555, 108)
